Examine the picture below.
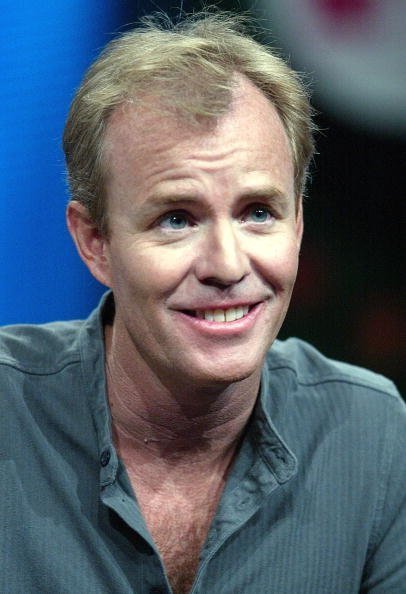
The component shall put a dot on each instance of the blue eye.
(259, 214)
(175, 221)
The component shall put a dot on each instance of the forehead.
(139, 136)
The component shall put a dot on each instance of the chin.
(224, 375)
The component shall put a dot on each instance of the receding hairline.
(150, 106)
(151, 111)
(193, 61)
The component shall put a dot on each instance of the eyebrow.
(268, 192)
(271, 195)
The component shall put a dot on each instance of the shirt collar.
(269, 441)
(94, 382)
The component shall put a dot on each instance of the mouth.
(230, 314)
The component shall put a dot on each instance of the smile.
(221, 315)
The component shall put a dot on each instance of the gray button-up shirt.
(314, 503)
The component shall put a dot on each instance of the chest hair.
(179, 527)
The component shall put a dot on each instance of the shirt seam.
(38, 370)
(335, 379)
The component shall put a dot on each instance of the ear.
(90, 243)
(299, 221)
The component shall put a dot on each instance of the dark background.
(349, 296)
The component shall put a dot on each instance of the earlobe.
(90, 243)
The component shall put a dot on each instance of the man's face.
(204, 239)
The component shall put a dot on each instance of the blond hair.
(190, 67)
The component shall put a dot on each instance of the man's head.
(189, 71)
(196, 221)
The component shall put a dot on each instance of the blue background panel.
(44, 49)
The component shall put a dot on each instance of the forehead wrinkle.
(182, 196)
(156, 202)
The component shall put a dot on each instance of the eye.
(175, 221)
(258, 213)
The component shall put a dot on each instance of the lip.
(220, 329)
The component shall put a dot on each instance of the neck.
(173, 425)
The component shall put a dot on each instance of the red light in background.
(339, 9)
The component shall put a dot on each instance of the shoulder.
(319, 392)
(312, 369)
(45, 348)
(351, 418)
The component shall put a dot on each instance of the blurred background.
(349, 298)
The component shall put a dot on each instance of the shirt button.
(105, 457)
(157, 590)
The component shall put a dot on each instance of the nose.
(221, 260)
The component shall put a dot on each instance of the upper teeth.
(223, 315)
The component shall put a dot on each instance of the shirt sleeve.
(385, 570)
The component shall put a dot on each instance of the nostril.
(221, 284)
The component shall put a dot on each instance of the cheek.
(279, 263)
(149, 272)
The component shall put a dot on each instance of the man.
(162, 445)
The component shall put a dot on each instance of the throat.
(163, 430)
